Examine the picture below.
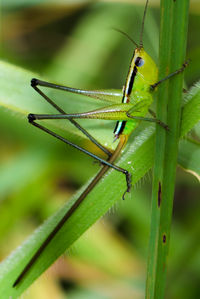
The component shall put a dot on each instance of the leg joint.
(31, 118)
(34, 82)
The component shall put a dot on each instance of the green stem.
(173, 34)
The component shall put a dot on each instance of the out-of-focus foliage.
(72, 43)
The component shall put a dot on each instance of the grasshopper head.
(146, 69)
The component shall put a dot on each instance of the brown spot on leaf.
(164, 238)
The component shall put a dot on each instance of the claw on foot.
(128, 182)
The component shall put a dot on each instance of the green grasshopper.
(128, 110)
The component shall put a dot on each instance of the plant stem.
(173, 34)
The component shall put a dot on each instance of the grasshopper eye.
(139, 61)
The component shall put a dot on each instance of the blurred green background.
(73, 43)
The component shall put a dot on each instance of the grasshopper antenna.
(142, 29)
(125, 34)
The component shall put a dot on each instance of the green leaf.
(189, 157)
(191, 101)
